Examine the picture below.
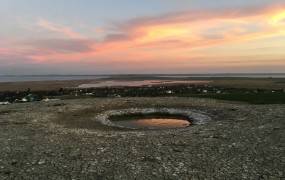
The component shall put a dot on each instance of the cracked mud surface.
(61, 140)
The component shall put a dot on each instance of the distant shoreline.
(231, 82)
(34, 78)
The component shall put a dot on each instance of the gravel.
(48, 140)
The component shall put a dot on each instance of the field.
(250, 90)
(250, 83)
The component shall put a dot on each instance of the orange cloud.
(180, 39)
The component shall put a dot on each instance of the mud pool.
(152, 121)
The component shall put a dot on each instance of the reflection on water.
(154, 123)
(138, 83)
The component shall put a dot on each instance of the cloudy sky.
(149, 36)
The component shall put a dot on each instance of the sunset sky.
(147, 36)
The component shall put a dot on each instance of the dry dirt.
(62, 140)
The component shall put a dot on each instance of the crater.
(152, 118)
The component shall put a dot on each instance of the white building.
(4, 103)
(169, 92)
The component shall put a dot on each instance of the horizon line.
(139, 74)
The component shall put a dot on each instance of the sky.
(141, 37)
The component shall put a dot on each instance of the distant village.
(117, 92)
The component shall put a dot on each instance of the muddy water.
(154, 123)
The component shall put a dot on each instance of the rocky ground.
(63, 140)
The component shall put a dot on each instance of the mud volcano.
(162, 118)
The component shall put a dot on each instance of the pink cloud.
(4, 51)
(152, 41)
(62, 45)
(66, 31)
